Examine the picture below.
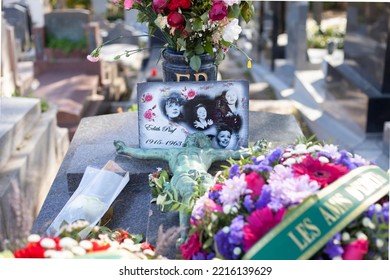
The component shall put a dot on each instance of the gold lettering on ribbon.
(304, 233)
(365, 186)
(334, 208)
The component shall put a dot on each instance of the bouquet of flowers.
(253, 196)
(101, 243)
(193, 27)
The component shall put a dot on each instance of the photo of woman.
(202, 121)
(172, 107)
(226, 107)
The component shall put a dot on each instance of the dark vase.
(176, 69)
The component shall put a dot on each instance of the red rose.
(356, 250)
(173, 5)
(255, 183)
(218, 11)
(176, 20)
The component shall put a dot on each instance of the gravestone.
(67, 24)
(364, 75)
(18, 16)
(92, 145)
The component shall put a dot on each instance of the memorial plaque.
(168, 112)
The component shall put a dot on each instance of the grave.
(360, 85)
(18, 16)
(92, 145)
(66, 78)
(32, 147)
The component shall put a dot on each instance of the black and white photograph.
(168, 112)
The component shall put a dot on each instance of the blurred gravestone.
(18, 16)
(67, 24)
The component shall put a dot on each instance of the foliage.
(319, 37)
(66, 45)
(191, 27)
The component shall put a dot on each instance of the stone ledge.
(18, 116)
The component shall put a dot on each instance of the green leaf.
(234, 11)
(209, 48)
(208, 243)
(247, 11)
(199, 49)
(161, 199)
(197, 25)
(195, 63)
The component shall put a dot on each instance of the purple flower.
(228, 239)
(223, 245)
(275, 155)
(234, 171)
(264, 198)
(235, 234)
(333, 247)
(345, 160)
(199, 256)
(248, 203)
(215, 196)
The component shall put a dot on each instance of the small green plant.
(66, 45)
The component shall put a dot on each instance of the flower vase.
(176, 69)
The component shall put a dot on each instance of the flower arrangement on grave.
(254, 198)
(100, 243)
(191, 27)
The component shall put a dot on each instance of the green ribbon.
(305, 230)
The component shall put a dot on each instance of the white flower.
(79, 251)
(233, 189)
(33, 238)
(68, 242)
(161, 21)
(86, 244)
(379, 243)
(345, 236)
(231, 2)
(323, 159)
(48, 243)
(231, 31)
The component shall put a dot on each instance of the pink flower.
(216, 187)
(218, 11)
(159, 5)
(92, 58)
(149, 115)
(128, 4)
(191, 247)
(191, 94)
(356, 250)
(324, 174)
(259, 223)
(147, 97)
(255, 183)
